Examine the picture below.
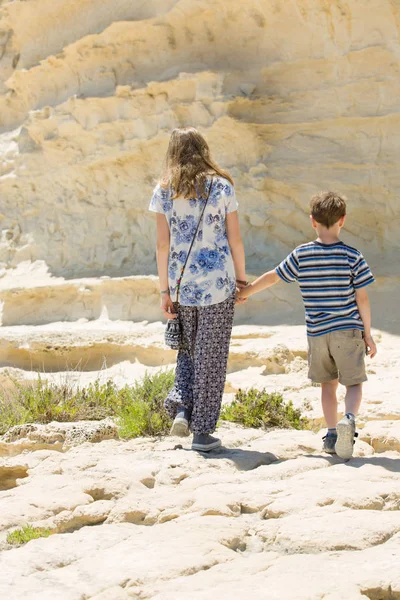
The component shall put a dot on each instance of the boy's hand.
(240, 285)
(370, 346)
(243, 293)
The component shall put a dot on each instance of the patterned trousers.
(201, 363)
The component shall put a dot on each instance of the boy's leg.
(329, 402)
(348, 350)
(346, 428)
(329, 408)
(353, 399)
(323, 370)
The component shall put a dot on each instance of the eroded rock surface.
(172, 522)
(268, 511)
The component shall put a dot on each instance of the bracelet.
(164, 291)
(242, 282)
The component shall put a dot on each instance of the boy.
(332, 278)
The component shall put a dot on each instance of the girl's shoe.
(204, 442)
(346, 432)
(180, 426)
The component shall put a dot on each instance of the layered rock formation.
(293, 97)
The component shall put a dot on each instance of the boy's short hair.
(327, 208)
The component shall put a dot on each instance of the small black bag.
(173, 330)
(173, 334)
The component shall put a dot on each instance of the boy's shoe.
(204, 442)
(346, 432)
(329, 443)
(180, 426)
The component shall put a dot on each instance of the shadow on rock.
(390, 464)
(244, 460)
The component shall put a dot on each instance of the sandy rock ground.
(268, 515)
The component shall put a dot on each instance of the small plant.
(25, 534)
(143, 412)
(254, 408)
(139, 408)
(43, 401)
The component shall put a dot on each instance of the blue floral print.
(209, 277)
(227, 284)
(207, 260)
(221, 188)
(176, 261)
(193, 294)
(183, 228)
(166, 203)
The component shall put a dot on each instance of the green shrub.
(143, 412)
(42, 401)
(25, 534)
(254, 408)
(139, 408)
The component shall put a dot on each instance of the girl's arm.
(162, 253)
(365, 313)
(236, 244)
(265, 281)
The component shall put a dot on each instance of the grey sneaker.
(346, 434)
(329, 443)
(204, 442)
(180, 426)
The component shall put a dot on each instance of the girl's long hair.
(188, 163)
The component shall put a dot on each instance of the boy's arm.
(259, 284)
(365, 313)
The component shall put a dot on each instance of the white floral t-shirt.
(209, 276)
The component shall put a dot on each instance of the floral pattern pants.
(201, 363)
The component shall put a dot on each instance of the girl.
(215, 269)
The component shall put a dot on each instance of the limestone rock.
(59, 436)
(88, 105)
(382, 435)
(227, 521)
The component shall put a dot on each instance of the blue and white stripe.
(328, 276)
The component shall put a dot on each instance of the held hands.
(167, 306)
(242, 291)
(370, 346)
(240, 285)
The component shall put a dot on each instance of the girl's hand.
(370, 346)
(167, 306)
(240, 284)
(244, 293)
(238, 299)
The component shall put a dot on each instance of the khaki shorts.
(339, 354)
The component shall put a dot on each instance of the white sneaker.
(346, 432)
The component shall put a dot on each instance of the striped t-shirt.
(328, 276)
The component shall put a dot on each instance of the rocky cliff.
(293, 97)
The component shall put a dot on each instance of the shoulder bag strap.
(191, 245)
